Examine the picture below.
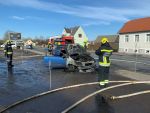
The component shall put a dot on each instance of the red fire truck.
(59, 44)
(61, 40)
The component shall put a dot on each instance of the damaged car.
(77, 59)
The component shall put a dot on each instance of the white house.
(29, 42)
(78, 33)
(134, 36)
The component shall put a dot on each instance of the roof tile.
(138, 25)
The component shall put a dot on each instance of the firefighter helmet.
(8, 42)
(104, 40)
(49, 43)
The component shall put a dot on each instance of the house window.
(130, 50)
(136, 38)
(141, 51)
(147, 51)
(148, 38)
(80, 35)
(126, 38)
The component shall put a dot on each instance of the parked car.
(29, 47)
(3, 45)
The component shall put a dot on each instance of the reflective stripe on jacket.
(9, 53)
(104, 52)
(8, 49)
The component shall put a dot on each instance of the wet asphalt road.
(30, 77)
(137, 63)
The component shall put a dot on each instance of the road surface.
(32, 76)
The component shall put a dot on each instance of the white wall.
(79, 40)
(142, 46)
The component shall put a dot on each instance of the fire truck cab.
(61, 40)
(59, 44)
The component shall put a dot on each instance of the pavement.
(32, 76)
(133, 75)
(57, 102)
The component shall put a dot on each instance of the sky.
(49, 17)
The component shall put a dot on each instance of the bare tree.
(1, 42)
(40, 40)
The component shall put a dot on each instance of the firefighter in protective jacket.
(50, 47)
(104, 52)
(8, 53)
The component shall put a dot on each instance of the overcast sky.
(49, 17)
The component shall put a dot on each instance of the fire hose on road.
(99, 91)
(74, 86)
(129, 95)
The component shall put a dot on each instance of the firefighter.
(104, 52)
(8, 53)
(50, 48)
(58, 43)
(85, 44)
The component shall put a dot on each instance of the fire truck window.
(68, 41)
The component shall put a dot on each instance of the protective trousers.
(9, 60)
(103, 75)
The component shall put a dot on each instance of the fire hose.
(69, 87)
(129, 95)
(99, 91)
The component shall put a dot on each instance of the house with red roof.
(134, 36)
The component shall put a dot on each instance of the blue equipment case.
(55, 61)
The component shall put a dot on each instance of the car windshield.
(76, 49)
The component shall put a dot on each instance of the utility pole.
(50, 76)
(135, 68)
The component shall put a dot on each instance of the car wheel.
(71, 67)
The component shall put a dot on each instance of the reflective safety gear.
(85, 40)
(104, 40)
(104, 64)
(9, 60)
(106, 81)
(8, 49)
(50, 47)
(9, 53)
(104, 52)
(105, 58)
(101, 83)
